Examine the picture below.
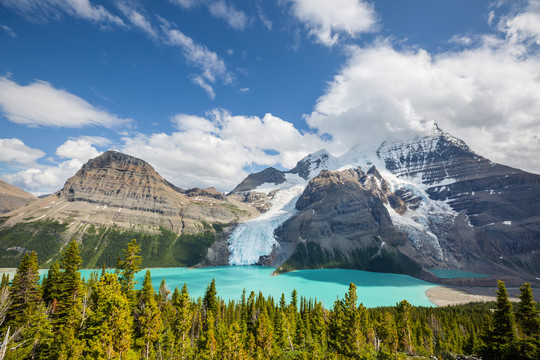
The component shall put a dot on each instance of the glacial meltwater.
(325, 285)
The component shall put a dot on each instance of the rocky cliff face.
(119, 190)
(12, 197)
(429, 202)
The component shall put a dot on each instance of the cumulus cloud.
(328, 20)
(44, 10)
(484, 95)
(14, 151)
(41, 104)
(213, 150)
(524, 27)
(45, 179)
(81, 149)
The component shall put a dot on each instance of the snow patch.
(507, 222)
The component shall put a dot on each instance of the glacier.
(255, 238)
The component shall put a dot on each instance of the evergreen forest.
(104, 317)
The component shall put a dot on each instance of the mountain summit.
(405, 206)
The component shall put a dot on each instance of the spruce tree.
(503, 317)
(149, 321)
(183, 322)
(500, 337)
(109, 326)
(25, 290)
(210, 299)
(68, 317)
(51, 284)
(527, 315)
(403, 322)
(129, 266)
(264, 336)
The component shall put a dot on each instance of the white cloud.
(187, 4)
(219, 9)
(213, 151)
(8, 30)
(523, 27)
(484, 95)
(235, 18)
(263, 18)
(40, 104)
(43, 10)
(44, 179)
(328, 20)
(14, 151)
(138, 20)
(81, 149)
(198, 80)
(211, 64)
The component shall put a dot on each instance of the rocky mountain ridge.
(405, 206)
(12, 197)
(448, 208)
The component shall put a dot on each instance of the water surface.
(326, 285)
(455, 274)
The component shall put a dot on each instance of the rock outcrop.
(118, 190)
(12, 197)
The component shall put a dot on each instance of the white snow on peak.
(255, 238)
(321, 160)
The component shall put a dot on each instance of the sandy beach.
(447, 296)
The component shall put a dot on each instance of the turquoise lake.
(455, 274)
(326, 285)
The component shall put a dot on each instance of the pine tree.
(163, 293)
(149, 321)
(210, 299)
(25, 290)
(527, 315)
(499, 339)
(109, 326)
(403, 321)
(35, 335)
(264, 336)
(51, 284)
(68, 317)
(129, 266)
(503, 317)
(207, 340)
(183, 322)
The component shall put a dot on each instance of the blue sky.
(209, 90)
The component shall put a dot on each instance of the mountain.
(405, 206)
(115, 196)
(12, 197)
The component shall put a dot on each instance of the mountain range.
(403, 207)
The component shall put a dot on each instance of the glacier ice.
(255, 238)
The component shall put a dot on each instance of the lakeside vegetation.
(103, 246)
(104, 317)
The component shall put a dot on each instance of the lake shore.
(456, 295)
